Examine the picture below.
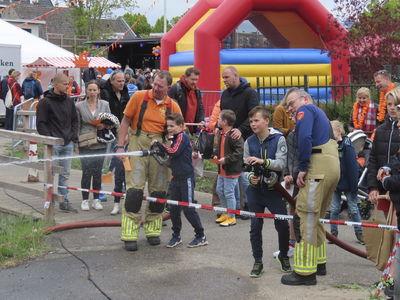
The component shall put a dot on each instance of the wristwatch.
(120, 147)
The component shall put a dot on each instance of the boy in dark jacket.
(266, 148)
(348, 182)
(229, 153)
(183, 181)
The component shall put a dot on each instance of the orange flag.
(19, 26)
(67, 5)
(13, 4)
(112, 46)
(40, 18)
(47, 15)
(19, 2)
(53, 11)
(2, 9)
(34, 21)
(59, 9)
(101, 52)
(73, 2)
(8, 7)
(26, 24)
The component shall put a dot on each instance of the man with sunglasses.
(317, 179)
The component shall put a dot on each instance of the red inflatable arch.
(286, 24)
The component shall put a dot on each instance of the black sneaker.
(389, 290)
(360, 237)
(285, 264)
(258, 269)
(67, 208)
(175, 241)
(335, 234)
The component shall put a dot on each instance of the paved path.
(217, 271)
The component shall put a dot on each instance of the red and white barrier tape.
(385, 273)
(228, 210)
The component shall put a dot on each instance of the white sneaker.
(85, 205)
(115, 211)
(290, 252)
(97, 205)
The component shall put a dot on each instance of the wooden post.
(48, 178)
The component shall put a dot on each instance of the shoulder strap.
(142, 111)
(168, 112)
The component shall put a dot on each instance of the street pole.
(165, 17)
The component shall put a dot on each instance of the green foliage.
(89, 17)
(175, 20)
(159, 26)
(142, 27)
(205, 184)
(20, 238)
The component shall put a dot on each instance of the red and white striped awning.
(66, 62)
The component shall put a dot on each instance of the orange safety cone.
(33, 175)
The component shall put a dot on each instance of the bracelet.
(120, 147)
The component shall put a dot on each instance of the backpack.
(9, 101)
(29, 89)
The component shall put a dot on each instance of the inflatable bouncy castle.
(298, 29)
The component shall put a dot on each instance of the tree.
(89, 17)
(142, 27)
(372, 39)
(175, 20)
(159, 26)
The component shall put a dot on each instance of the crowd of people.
(131, 111)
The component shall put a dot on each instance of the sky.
(177, 8)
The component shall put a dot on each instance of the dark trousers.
(119, 180)
(258, 199)
(183, 190)
(8, 122)
(91, 169)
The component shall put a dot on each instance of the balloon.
(39, 73)
(156, 51)
(109, 71)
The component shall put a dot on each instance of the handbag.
(205, 143)
(88, 139)
(373, 237)
(386, 244)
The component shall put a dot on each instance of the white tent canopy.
(66, 62)
(32, 46)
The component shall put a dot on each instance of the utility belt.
(314, 151)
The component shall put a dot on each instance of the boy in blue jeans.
(229, 153)
(348, 182)
(183, 181)
(266, 147)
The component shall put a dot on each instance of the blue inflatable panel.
(257, 57)
(181, 59)
(273, 56)
(274, 96)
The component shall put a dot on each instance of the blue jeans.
(59, 152)
(244, 184)
(352, 207)
(226, 192)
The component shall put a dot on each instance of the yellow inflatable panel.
(294, 30)
(186, 43)
(177, 72)
(282, 70)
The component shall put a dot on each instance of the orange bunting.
(26, 24)
(59, 9)
(53, 11)
(101, 52)
(40, 18)
(152, 6)
(19, 26)
(13, 4)
(2, 9)
(8, 7)
(112, 47)
(64, 33)
(34, 21)
(47, 15)
(19, 2)
(73, 2)
(67, 5)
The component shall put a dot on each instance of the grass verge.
(21, 237)
(205, 184)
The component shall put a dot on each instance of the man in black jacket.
(4, 85)
(116, 93)
(188, 96)
(56, 116)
